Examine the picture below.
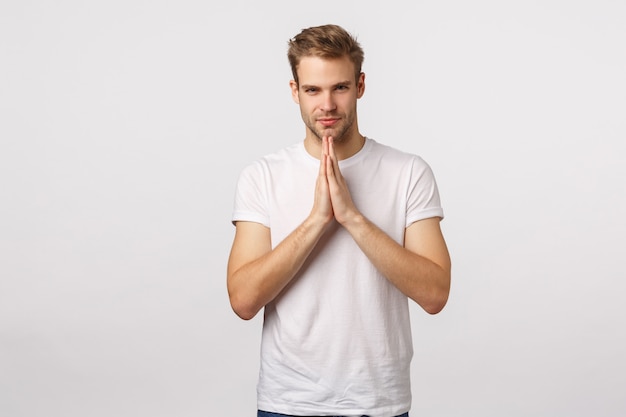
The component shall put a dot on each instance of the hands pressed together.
(332, 196)
(420, 267)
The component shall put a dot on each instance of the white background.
(124, 126)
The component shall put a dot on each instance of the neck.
(345, 148)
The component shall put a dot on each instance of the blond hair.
(328, 42)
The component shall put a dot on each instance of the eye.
(342, 87)
(310, 90)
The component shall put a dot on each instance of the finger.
(333, 156)
(324, 152)
(329, 167)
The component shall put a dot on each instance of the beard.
(338, 133)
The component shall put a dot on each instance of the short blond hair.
(327, 41)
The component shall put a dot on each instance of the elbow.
(439, 296)
(242, 308)
(244, 298)
(435, 306)
(241, 300)
(434, 303)
(437, 300)
(244, 313)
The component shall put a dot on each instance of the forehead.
(319, 71)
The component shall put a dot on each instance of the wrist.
(352, 220)
(316, 222)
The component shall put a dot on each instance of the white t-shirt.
(337, 340)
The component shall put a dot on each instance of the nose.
(328, 102)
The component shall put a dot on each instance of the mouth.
(327, 121)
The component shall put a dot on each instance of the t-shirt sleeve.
(250, 196)
(423, 195)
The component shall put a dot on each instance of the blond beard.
(339, 137)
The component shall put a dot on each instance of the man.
(332, 235)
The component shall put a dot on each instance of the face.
(327, 93)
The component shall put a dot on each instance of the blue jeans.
(261, 413)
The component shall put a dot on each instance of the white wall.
(124, 125)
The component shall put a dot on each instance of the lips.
(327, 122)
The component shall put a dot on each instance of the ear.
(360, 87)
(294, 91)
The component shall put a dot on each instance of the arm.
(256, 272)
(420, 268)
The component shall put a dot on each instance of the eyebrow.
(346, 82)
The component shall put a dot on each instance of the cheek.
(305, 110)
(307, 106)
(349, 104)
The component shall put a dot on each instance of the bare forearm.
(418, 277)
(254, 284)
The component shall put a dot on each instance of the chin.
(337, 136)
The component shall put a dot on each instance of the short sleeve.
(251, 196)
(423, 199)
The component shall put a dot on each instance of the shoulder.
(287, 155)
(395, 156)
